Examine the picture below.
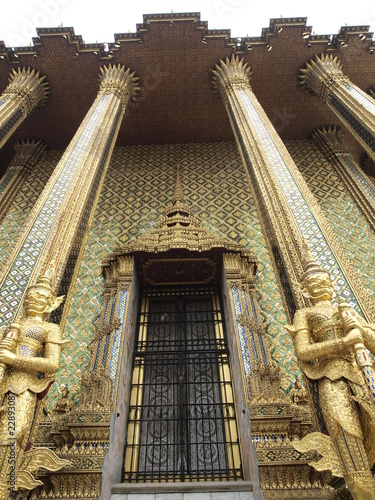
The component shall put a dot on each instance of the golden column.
(288, 210)
(26, 90)
(26, 157)
(354, 108)
(70, 194)
(331, 142)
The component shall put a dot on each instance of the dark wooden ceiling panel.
(173, 55)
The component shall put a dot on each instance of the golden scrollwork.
(326, 340)
(81, 434)
(108, 329)
(276, 424)
(264, 385)
(316, 441)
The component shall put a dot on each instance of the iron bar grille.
(182, 421)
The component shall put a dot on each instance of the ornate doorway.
(182, 419)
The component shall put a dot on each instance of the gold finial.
(46, 279)
(178, 194)
(178, 211)
(310, 265)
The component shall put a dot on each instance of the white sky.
(98, 20)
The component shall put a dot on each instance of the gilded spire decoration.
(178, 194)
(178, 211)
(177, 228)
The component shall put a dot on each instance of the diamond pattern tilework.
(347, 221)
(367, 187)
(303, 216)
(5, 181)
(138, 186)
(22, 266)
(25, 199)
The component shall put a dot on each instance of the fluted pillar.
(354, 108)
(26, 157)
(26, 90)
(70, 194)
(330, 142)
(287, 208)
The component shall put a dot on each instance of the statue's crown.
(310, 265)
(46, 279)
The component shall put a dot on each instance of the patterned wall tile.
(24, 201)
(346, 219)
(138, 186)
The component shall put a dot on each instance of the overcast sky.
(99, 20)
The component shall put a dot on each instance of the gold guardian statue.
(326, 338)
(30, 353)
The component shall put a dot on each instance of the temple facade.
(182, 189)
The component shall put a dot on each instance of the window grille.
(182, 421)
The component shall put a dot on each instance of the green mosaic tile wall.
(138, 186)
(348, 223)
(25, 199)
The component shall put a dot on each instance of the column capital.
(330, 140)
(322, 75)
(115, 80)
(27, 154)
(28, 88)
(231, 74)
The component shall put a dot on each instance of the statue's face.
(38, 300)
(319, 286)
